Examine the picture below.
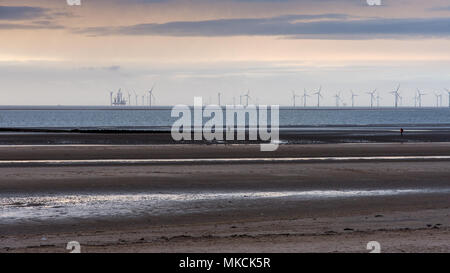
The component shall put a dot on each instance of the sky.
(52, 53)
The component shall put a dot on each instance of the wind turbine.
(419, 97)
(378, 99)
(415, 99)
(396, 96)
(247, 96)
(319, 95)
(448, 92)
(438, 99)
(129, 98)
(136, 98)
(372, 97)
(305, 95)
(353, 98)
(338, 98)
(294, 96)
(151, 96)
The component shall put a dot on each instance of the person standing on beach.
(401, 131)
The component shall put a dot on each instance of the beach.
(225, 198)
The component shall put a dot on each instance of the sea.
(159, 118)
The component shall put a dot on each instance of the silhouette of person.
(401, 131)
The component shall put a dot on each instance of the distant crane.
(305, 95)
(396, 96)
(294, 96)
(151, 96)
(319, 95)
(372, 97)
(353, 98)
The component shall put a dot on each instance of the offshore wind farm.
(342, 99)
(143, 112)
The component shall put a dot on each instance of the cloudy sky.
(52, 53)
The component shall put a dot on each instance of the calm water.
(160, 118)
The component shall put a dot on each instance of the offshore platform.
(117, 99)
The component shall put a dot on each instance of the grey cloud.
(36, 17)
(447, 8)
(38, 25)
(21, 12)
(112, 68)
(333, 26)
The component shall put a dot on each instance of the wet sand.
(409, 213)
(423, 231)
(291, 135)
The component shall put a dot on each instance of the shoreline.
(288, 136)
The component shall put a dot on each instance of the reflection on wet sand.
(56, 207)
